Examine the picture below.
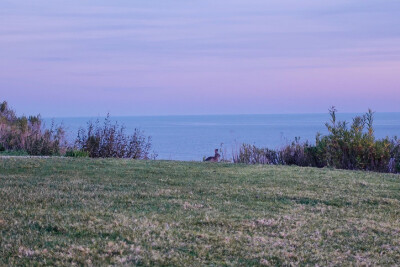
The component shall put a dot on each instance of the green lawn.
(64, 211)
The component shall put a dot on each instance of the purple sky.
(87, 58)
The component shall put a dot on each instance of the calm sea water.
(192, 137)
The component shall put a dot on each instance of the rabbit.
(215, 158)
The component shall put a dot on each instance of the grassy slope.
(63, 211)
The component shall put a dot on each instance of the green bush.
(14, 153)
(355, 147)
(344, 147)
(77, 153)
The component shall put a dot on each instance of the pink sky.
(85, 58)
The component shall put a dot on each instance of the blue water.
(192, 137)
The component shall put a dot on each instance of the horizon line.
(220, 114)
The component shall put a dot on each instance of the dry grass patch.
(57, 211)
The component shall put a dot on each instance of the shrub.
(29, 134)
(250, 154)
(355, 147)
(46, 141)
(294, 153)
(110, 141)
(14, 153)
(76, 153)
(345, 147)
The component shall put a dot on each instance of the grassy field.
(67, 211)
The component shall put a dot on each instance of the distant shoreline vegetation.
(109, 140)
(29, 136)
(351, 147)
(346, 146)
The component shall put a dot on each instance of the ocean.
(191, 138)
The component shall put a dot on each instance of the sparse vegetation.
(83, 211)
(76, 153)
(110, 141)
(14, 153)
(28, 134)
(353, 148)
